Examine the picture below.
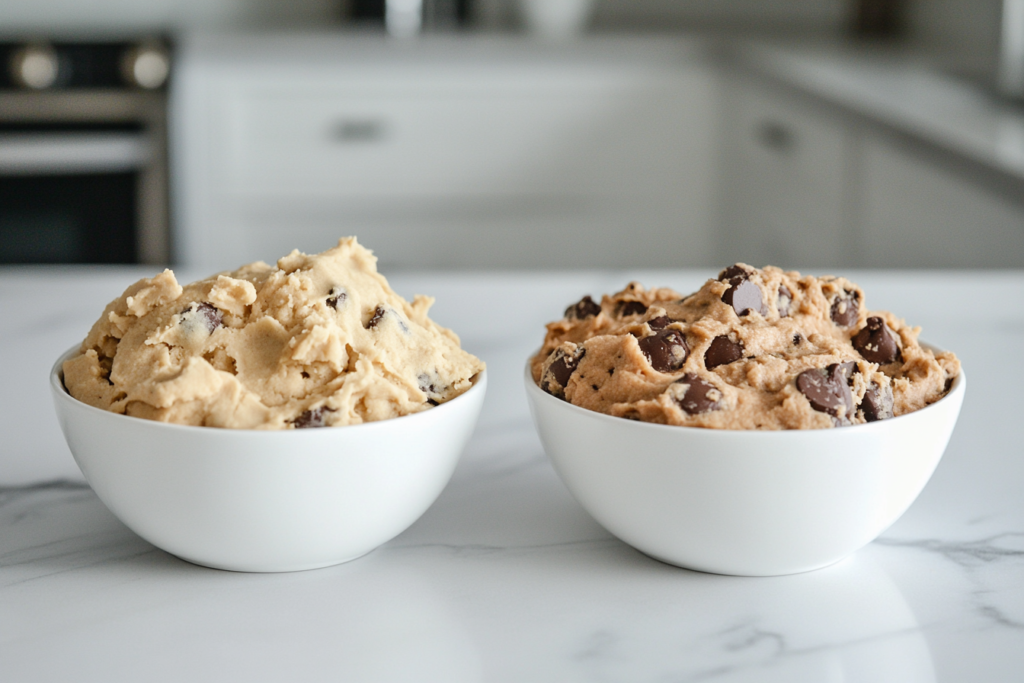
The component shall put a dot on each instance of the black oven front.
(83, 174)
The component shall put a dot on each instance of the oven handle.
(73, 153)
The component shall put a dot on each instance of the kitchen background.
(479, 134)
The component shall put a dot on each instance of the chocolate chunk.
(798, 339)
(378, 315)
(336, 296)
(584, 308)
(743, 295)
(784, 301)
(632, 308)
(209, 315)
(877, 403)
(827, 389)
(845, 308)
(556, 377)
(722, 351)
(660, 323)
(876, 342)
(311, 418)
(732, 271)
(847, 369)
(666, 350)
(700, 396)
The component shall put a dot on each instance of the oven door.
(71, 196)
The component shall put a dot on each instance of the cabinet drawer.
(410, 138)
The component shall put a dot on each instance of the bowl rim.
(958, 387)
(60, 391)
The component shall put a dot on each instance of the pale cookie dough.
(315, 341)
(753, 349)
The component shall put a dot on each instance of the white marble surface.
(506, 578)
(901, 90)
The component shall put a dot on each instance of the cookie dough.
(753, 349)
(316, 341)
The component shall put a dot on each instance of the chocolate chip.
(845, 308)
(210, 316)
(722, 351)
(336, 296)
(700, 396)
(378, 315)
(877, 403)
(847, 369)
(632, 308)
(426, 385)
(876, 342)
(666, 350)
(556, 377)
(784, 301)
(432, 402)
(660, 323)
(732, 271)
(827, 389)
(594, 387)
(797, 339)
(584, 308)
(743, 295)
(311, 418)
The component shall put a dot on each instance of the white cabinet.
(925, 214)
(785, 192)
(457, 153)
(807, 186)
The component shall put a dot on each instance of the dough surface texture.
(752, 349)
(316, 341)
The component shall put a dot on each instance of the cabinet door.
(784, 195)
(920, 212)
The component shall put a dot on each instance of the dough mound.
(753, 349)
(316, 341)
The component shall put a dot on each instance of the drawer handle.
(775, 136)
(358, 130)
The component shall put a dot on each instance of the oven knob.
(146, 66)
(35, 66)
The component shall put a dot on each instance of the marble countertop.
(506, 578)
(901, 90)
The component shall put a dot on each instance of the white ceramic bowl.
(749, 503)
(267, 501)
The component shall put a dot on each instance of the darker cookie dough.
(752, 349)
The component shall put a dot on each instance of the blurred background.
(481, 134)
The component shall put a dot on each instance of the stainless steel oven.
(83, 170)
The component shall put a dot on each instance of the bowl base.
(272, 568)
(747, 573)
